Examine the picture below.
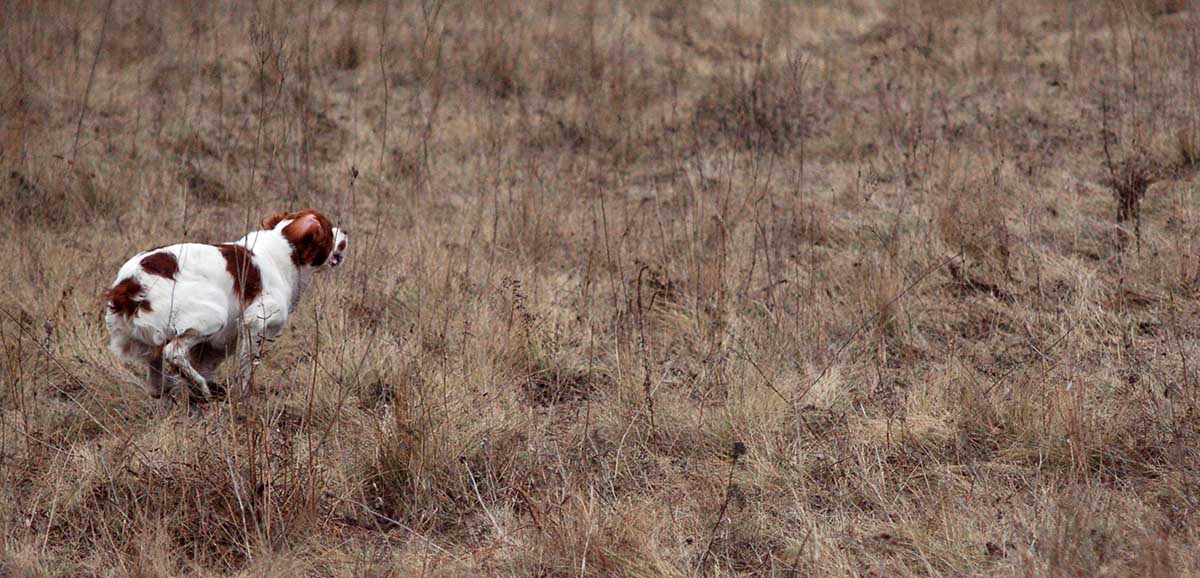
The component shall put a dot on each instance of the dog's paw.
(218, 391)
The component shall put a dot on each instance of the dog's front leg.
(249, 351)
(260, 323)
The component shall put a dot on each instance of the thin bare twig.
(478, 496)
(87, 93)
(735, 454)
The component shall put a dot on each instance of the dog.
(181, 309)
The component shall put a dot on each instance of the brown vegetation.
(635, 288)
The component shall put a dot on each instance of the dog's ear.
(270, 221)
(311, 237)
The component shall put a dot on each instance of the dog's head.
(315, 241)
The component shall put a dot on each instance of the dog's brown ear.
(270, 221)
(311, 237)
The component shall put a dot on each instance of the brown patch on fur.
(124, 298)
(247, 280)
(162, 264)
(342, 245)
(310, 233)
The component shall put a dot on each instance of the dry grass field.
(748, 288)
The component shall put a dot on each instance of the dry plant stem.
(87, 93)
(383, 78)
(308, 410)
(733, 461)
(641, 320)
(474, 486)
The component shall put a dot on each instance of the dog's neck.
(272, 247)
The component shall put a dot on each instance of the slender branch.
(738, 449)
(87, 93)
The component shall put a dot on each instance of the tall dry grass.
(636, 289)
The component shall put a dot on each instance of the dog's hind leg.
(207, 358)
(177, 354)
(156, 377)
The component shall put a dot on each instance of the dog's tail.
(124, 300)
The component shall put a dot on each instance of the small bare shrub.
(877, 285)
(497, 67)
(762, 108)
(1129, 180)
(347, 54)
(1187, 141)
(971, 221)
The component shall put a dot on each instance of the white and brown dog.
(193, 303)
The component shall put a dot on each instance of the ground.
(753, 288)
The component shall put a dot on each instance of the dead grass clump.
(612, 537)
(1129, 180)
(497, 66)
(971, 222)
(552, 381)
(432, 475)
(206, 508)
(201, 186)
(411, 480)
(134, 37)
(23, 119)
(877, 289)
(193, 146)
(61, 200)
(347, 53)
(759, 109)
(1187, 149)
(573, 65)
